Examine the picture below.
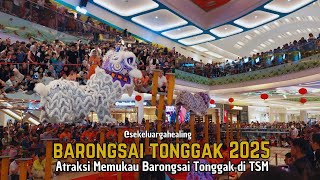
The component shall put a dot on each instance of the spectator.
(39, 166)
(315, 143)
(94, 61)
(288, 159)
(11, 85)
(14, 169)
(162, 82)
(302, 164)
(47, 79)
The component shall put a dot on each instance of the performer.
(94, 61)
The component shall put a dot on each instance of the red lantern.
(138, 98)
(303, 91)
(264, 96)
(231, 100)
(303, 100)
(231, 106)
(212, 101)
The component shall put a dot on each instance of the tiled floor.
(274, 150)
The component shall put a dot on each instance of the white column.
(303, 116)
(140, 105)
(3, 121)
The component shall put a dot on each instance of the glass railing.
(265, 60)
(62, 20)
(307, 60)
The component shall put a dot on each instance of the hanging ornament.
(138, 98)
(303, 100)
(231, 100)
(231, 106)
(264, 96)
(212, 101)
(303, 91)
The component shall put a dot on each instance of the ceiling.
(231, 25)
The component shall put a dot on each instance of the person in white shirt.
(14, 170)
(97, 49)
(294, 132)
(162, 82)
(11, 84)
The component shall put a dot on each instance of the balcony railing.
(62, 20)
(286, 68)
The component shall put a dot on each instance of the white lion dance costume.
(67, 101)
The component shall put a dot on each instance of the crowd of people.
(25, 140)
(66, 20)
(62, 19)
(290, 52)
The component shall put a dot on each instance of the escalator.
(19, 113)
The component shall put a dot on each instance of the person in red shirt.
(111, 135)
(65, 136)
(88, 135)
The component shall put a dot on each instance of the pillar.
(161, 105)
(218, 131)
(140, 106)
(206, 129)
(147, 139)
(231, 127)
(227, 130)
(4, 167)
(23, 168)
(304, 116)
(238, 130)
(48, 165)
(192, 128)
(171, 83)
(102, 139)
(3, 119)
(120, 137)
(136, 160)
(154, 90)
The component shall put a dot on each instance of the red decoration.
(303, 100)
(303, 91)
(212, 101)
(231, 106)
(264, 96)
(138, 98)
(231, 100)
(208, 5)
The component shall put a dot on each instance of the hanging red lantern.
(138, 98)
(303, 100)
(231, 100)
(231, 106)
(264, 96)
(303, 91)
(211, 101)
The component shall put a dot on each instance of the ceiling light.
(289, 33)
(257, 32)
(156, 17)
(285, 96)
(248, 37)
(255, 17)
(310, 18)
(199, 48)
(298, 31)
(225, 28)
(271, 40)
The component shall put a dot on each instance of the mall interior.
(224, 70)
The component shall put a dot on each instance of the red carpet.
(108, 175)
